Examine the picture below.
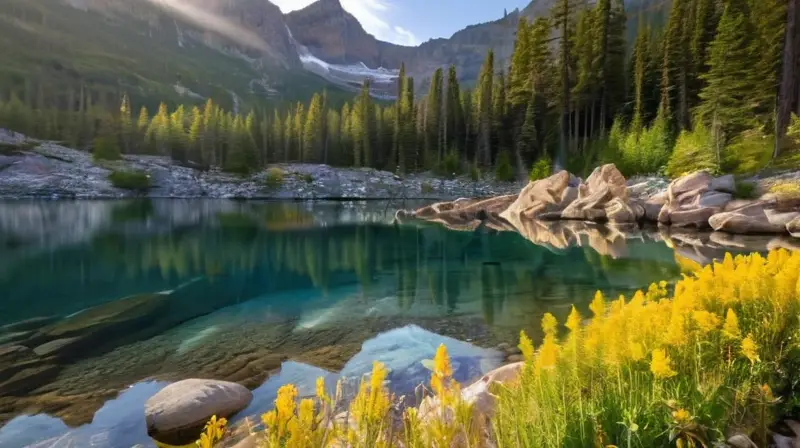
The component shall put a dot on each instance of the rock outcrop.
(698, 201)
(177, 414)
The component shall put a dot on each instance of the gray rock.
(725, 183)
(29, 379)
(176, 414)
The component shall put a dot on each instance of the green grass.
(274, 178)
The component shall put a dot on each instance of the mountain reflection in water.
(104, 297)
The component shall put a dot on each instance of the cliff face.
(333, 34)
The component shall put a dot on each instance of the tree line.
(715, 88)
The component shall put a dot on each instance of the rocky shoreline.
(697, 201)
(46, 170)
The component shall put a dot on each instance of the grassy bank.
(688, 367)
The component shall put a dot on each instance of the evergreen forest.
(715, 87)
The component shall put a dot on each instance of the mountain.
(237, 52)
(333, 35)
(177, 51)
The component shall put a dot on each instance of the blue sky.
(411, 22)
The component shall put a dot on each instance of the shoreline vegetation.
(708, 361)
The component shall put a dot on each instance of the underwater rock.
(28, 379)
(177, 413)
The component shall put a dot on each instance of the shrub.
(106, 148)
(541, 169)
(503, 170)
(274, 177)
(694, 151)
(426, 188)
(748, 153)
(475, 173)
(745, 190)
(450, 166)
(130, 180)
(786, 190)
(646, 152)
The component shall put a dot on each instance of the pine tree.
(125, 125)
(453, 113)
(312, 133)
(401, 86)
(333, 123)
(677, 64)
(298, 123)
(484, 107)
(789, 74)
(562, 13)
(433, 103)
(526, 144)
(520, 83)
(366, 114)
(195, 135)
(277, 136)
(768, 18)
(500, 124)
(158, 130)
(726, 108)
(641, 65)
(289, 140)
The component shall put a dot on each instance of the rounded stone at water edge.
(176, 415)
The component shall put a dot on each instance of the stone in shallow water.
(177, 413)
(402, 350)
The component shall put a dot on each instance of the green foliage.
(694, 151)
(475, 172)
(451, 165)
(541, 169)
(274, 178)
(426, 188)
(642, 152)
(503, 171)
(745, 190)
(106, 148)
(748, 153)
(130, 180)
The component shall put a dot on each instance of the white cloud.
(372, 14)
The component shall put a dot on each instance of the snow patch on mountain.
(383, 81)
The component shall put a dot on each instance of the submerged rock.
(177, 414)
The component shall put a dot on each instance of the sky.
(412, 22)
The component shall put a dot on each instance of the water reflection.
(164, 290)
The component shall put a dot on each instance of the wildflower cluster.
(705, 349)
(660, 368)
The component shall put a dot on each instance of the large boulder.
(692, 199)
(754, 217)
(543, 196)
(176, 414)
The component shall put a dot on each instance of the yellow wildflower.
(750, 349)
(767, 392)
(574, 320)
(212, 432)
(598, 305)
(321, 389)
(442, 371)
(731, 327)
(706, 321)
(636, 351)
(549, 324)
(661, 365)
(548, 354)
(681, 416)
(526, 346)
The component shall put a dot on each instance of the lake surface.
(103, 303)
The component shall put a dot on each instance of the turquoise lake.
(103, 303)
